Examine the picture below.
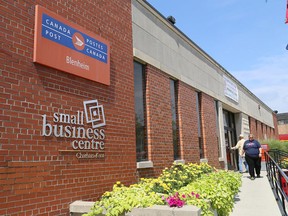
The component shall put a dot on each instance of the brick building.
(282, 119)
(66, 136)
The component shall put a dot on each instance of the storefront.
(95, 92)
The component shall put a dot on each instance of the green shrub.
(123, 199)
(282, 146)
(217, 187)
(179, 175)
(276, 144)
(194, 184)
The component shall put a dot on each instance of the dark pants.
(253, 163)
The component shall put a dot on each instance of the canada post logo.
(67, 36)
(68, 47)
(78, 41)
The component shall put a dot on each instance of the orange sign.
(66, 46)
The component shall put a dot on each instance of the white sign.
(230, 89)
(73, 126)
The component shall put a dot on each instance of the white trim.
(179, 161)
(203, 160)
(144, 164)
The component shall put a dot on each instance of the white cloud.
(268, 80)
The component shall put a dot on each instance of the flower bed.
(192, 184)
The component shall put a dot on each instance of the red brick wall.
(264, 130)
(252, 125)
(269, 132)
(159, 118)
(209, 129)
(258, 134)
(35, 178)
(188, 124)
(255, 128)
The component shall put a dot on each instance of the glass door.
(230, 140)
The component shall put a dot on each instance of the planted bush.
(217, 187)
(281, 146)
(276, 145)
(123, 199)
(191, 184)
(177, 176)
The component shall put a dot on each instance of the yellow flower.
(107, 193)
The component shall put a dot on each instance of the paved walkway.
(256, 198)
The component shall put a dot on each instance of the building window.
(140, 121)
(256, 126)
(175, 131)
(262, 129)
(217, 128)
(199, 123)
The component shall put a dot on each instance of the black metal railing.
(276, 166)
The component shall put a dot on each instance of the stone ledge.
(161, 210)
(79, 207)
(144, 164)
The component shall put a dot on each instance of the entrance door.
(230, 140)
(231, 154)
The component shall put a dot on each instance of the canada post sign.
(66, 46)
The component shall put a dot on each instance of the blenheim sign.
(87, 141)
(66, 46)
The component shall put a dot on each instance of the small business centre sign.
(85, 128)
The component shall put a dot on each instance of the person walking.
(253, 155)
(241, 158)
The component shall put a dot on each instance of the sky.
(247, 38)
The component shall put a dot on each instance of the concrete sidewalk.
(255, 198)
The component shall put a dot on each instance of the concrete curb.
(79, 207)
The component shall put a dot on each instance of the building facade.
(282, 119)
(213, 108)
(69, 130)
